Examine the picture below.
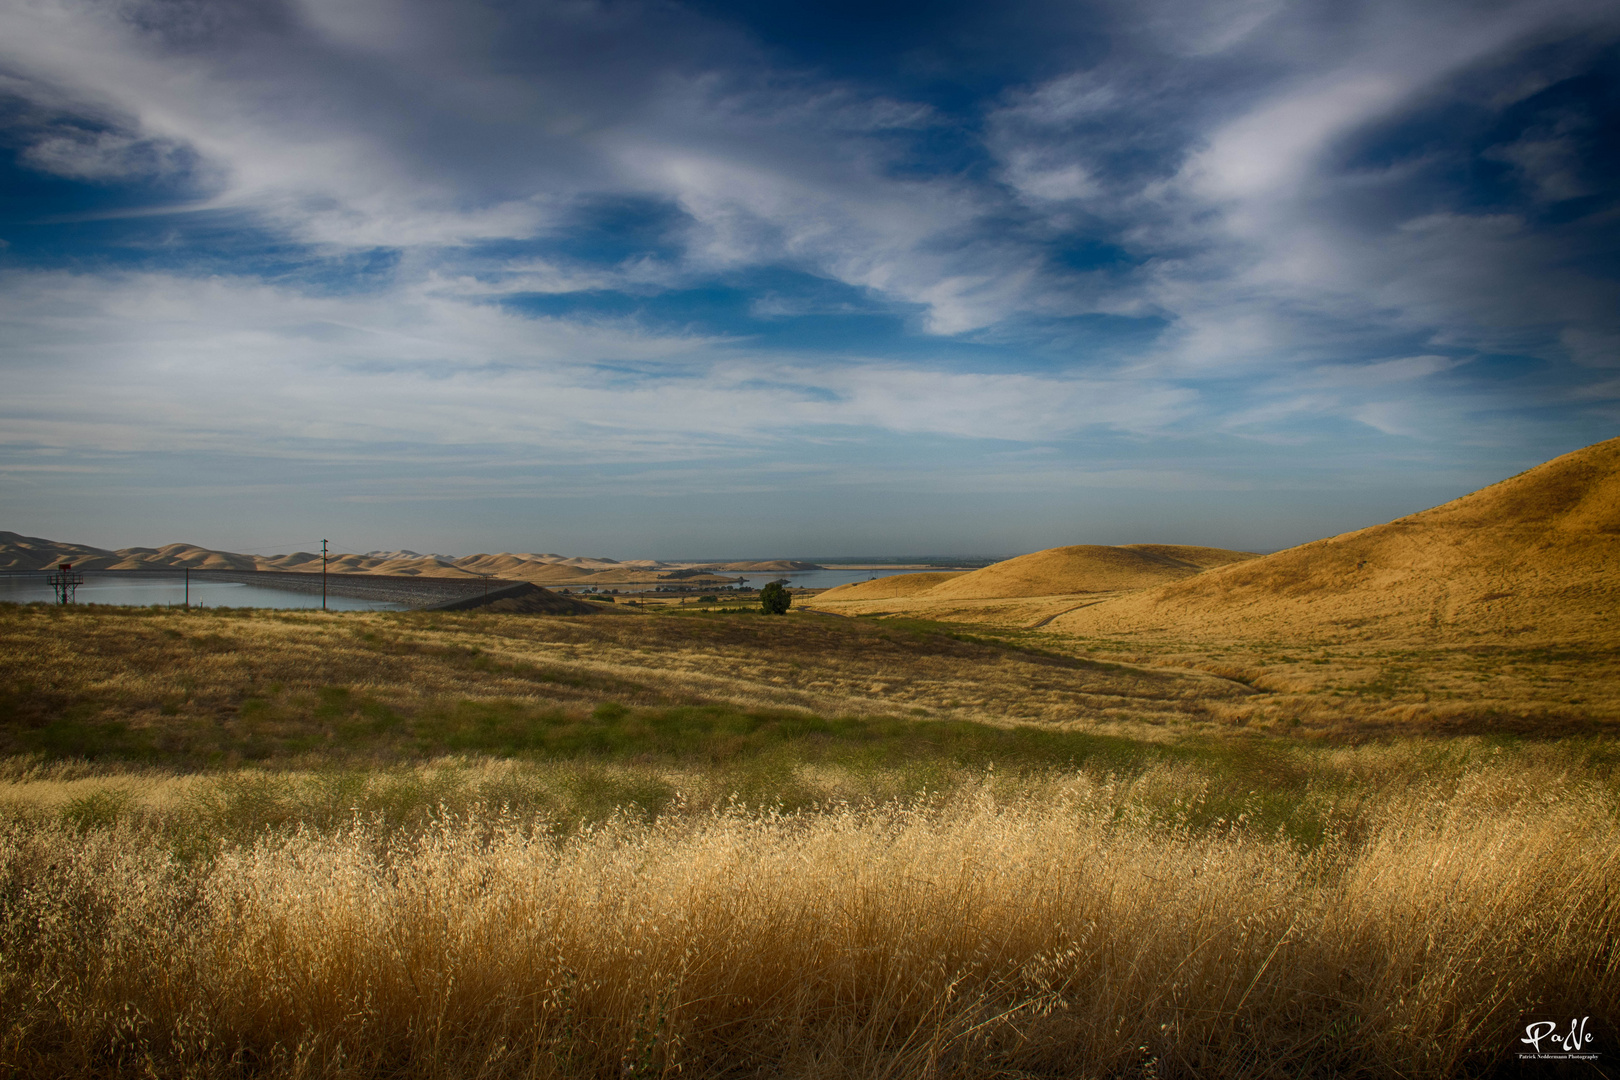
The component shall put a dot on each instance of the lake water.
(820, 579)
(170, 590)
(166, 591)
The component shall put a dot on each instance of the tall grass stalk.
(1066, 935)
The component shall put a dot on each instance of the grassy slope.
(208, 688)
(1530, 559)
(1081, 923)
(203, 687)
(886, 588)
(1120, 870)
(1078, 569)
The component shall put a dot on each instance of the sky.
(710, 279)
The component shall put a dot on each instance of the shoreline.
(414, 592)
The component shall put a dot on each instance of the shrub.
(775, 599)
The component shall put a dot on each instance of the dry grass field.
(1528, 562)
(405, 844)
(1083, 925)
(1499, 611)
(1351, 809)
(208, 688)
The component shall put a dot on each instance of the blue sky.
(717, 279)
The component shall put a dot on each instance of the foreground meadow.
(399, 845)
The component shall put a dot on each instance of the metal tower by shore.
(66, 582)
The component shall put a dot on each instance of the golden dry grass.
(1147, 854)
(1499, 611)
(1533, 558)
(1007, 612)
(1359, 690)
(886, 588)
(1346, 688)
(218, 679)
(216, 687)
(1531, 562)
(1068, 931)
(1084, 568)
(545, 572)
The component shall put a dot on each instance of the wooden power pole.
(323, 575)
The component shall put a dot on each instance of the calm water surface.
(164, 590)
(820, 579)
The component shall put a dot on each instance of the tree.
(775, 599)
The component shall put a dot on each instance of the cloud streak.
(625, 232)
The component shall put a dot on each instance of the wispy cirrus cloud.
(664, 232)
(175, 361)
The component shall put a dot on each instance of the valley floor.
(285, 844)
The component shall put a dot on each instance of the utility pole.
(323, 575)
(188, 588)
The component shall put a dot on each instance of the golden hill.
(1204, 558)
(555, 573)
(527, 598)
(521, 567)
(1536, 556)
(887, 588)
(176, 555)
(1084, 568)
(418, 567)
(18, 552)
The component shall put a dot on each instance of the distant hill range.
(18, 552)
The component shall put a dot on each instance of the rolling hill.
(1534, 557)
(1084, 568)
(19, 552)
(893, 587)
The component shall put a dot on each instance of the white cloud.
(151, 362)
(1274, 147)
(101, 155)
(1380, 373)
(1204, 146)
(1404, 418)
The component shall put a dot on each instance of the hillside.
(887, 588)
(1536, 556)
(527, 599)
(18, 552)
(1084, 568)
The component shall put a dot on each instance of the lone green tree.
(775, 599)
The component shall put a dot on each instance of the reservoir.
(826, 578)
(169, 590)
(254, 589)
